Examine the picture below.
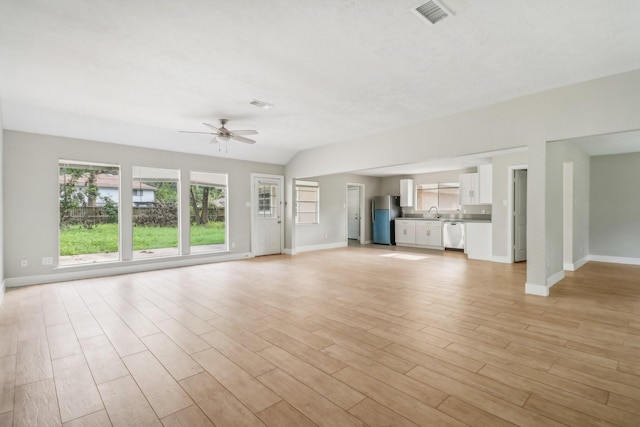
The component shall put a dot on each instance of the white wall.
(31, 208)
(599, 106)
(331, 229)
(614, 229)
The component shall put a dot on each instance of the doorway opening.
(519, 215)
(355, 213)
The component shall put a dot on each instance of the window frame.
(299, 184)
(437, 187)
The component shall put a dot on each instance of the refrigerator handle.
(373, 211)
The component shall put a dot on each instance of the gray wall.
(502, 174)
(331, 228)
(557, 154)
(614, 228)
(31, 194)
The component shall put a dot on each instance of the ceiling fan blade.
(190, 131)
(212, 127)
(242, 139)
(244, 132)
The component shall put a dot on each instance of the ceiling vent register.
(432, 11)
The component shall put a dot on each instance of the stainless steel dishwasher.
(453, 235)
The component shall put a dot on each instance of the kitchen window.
(444, 196)
(307, 202)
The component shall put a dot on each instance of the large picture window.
(444, 196)
(89, 199)
(155, 212)
(307, 202)
(208, 213)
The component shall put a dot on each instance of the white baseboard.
(615, 259)
(368, 242)
(555, 278)
(2, 289)
(501, 259)
(534, 289)
(321, 247)
(576, 265)
(288, 251)
(541, 290)
(72, 273)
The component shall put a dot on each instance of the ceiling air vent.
(432, 11)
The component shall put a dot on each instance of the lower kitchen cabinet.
(429, 233)
(479, 240)
(419, 233)
(405, 231)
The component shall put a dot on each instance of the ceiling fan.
(222, 134)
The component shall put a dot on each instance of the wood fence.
(98, 215)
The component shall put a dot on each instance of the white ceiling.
(136, 71)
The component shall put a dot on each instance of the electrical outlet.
(24, 263)
(47, 260)
(233, 245)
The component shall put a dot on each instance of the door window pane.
(155, 212)
(208, 213)
(89, 199)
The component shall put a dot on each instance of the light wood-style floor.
(348, 337)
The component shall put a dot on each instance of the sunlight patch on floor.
(405, 256)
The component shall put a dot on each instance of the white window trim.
(308, 184)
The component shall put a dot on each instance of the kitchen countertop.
(451, 218)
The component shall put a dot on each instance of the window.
(444, 196)
(208, 213)
(89, 198)
(155, 212)
(307, 202)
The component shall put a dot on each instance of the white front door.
(520, 215)
(353, 213)
(267, 215)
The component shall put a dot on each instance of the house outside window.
(89, 198)
(307, 202)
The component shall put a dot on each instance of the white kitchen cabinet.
(429, 233)
(479, 241)
(469, 189)
(477, 188)
(406, 192)
(485, 184)
(405, 232)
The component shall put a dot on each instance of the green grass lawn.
(76, 240)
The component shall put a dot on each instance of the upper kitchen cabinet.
(406, 192)
(476, 188)
(469, 189)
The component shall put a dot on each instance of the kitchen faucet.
(436, 208)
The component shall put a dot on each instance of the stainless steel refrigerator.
(384, 210)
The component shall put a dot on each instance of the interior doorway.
(519, 215)
(355, 212)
